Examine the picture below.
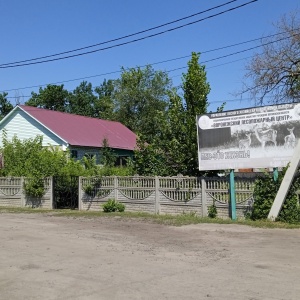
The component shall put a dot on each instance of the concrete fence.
(166, 195)
(157, 195)
(12, 193)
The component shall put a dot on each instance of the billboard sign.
(258, 137)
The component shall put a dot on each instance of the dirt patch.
(51, 257)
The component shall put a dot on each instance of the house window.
(89, 155)
(74, 153)
(121, 161)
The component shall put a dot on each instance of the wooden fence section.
(166, 195)
(12, 193)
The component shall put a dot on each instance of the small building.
(83, 136)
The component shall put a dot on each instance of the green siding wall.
(81, 151)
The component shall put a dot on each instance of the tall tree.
(5, 105)
(53, 97)
(82, 100)
(104, 106)
(174, 149)
(196, 89)
(274, 73)
(140, 94)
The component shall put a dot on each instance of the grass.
(179, 220)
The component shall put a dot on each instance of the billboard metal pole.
(275, 174)
(232, 195)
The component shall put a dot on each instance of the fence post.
(116, 187)
(232, 195)
(22, 192)
(203, 197)
(157, 206)
(51, 191)
(80, 193)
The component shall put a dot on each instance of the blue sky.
(35, 28)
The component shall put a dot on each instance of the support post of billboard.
(275, 174)
(285, 185)
(232, 195)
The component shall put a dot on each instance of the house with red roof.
(83, 136)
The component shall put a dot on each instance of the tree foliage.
(5, 105)
(29, 158)
(54, 97)
(274, 73)
(107, 155)
(140, 95)
(265, 191)
(174, 149)
(83, 100)
(196, 89)
(104, 106)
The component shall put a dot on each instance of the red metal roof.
(83, 131)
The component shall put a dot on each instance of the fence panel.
(179, 195)
(12, 193)
(167, 195)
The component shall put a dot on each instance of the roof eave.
(39, 123)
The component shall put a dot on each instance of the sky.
(34, 28)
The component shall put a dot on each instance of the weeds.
(179, 220)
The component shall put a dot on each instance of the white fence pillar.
(116, 187)
(203, 197)
(51, 192)
(22, 193)
(157, 205)
(80, 193)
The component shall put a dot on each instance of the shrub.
(34, 187)
(88, 189)
(265, 191)
(112, 206)
(212, 211)
(94, 183)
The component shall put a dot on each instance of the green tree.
(29, 158)
(196, 89)
(107, 155)
(140, 94)
(5, 105)
(149, 159)
(82, 100)
(174, 150)
(104, 106)
(264, 193)
(53, 97)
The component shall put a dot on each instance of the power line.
(234, 53)
(27, 96)
(164, 61)
(122, 37)
(219, 65)
(12, 65)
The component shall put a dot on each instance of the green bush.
(113, 206)
(212, 211)
(34, 187)
(264, 193)
(88, 189)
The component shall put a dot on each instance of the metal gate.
(65, 192)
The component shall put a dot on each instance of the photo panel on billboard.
(258, 137)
